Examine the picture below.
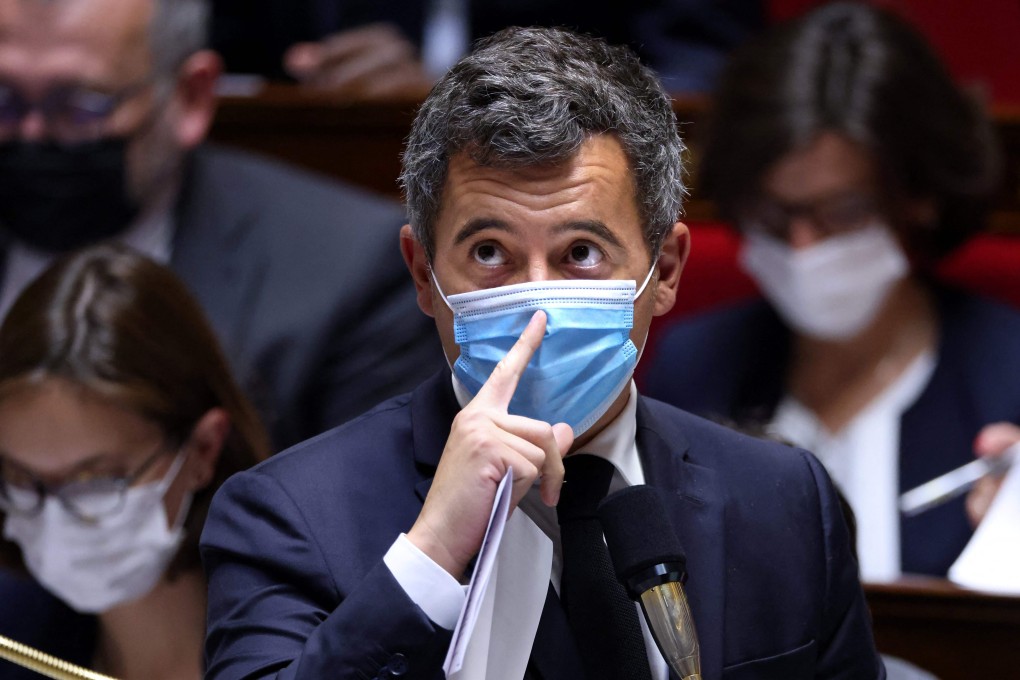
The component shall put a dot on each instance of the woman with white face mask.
(851, 165)
(118, 420)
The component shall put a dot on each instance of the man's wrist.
(425, 539)
(426, 583)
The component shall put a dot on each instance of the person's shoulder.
(717, 330)
(698, 361)
(981, 334)
(972, 313)
(302, 226)
(368, 441)
(274, 191)
(714, 445)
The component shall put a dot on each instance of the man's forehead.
(75, 39)
(599, 164)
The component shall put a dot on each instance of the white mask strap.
(439, 288)
(648, 278)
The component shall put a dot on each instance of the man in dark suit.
(104, 106)
(543, 177)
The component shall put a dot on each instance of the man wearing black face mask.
(104, 107)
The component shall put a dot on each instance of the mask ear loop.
(439, 288)
(167, 482)
(648, 277)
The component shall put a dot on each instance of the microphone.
(651, 565)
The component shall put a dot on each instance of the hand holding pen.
(1000, 440)
(997, 447)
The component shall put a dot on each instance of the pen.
(955, 482)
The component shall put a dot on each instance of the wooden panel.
(361, 142)
(954, 633)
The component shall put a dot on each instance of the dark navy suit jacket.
(298, 588)
(731, 364)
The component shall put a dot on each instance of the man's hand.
(993, 440)
(485, 441)
(375, 60)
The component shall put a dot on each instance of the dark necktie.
(603, 619)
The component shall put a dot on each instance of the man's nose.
(538, 270)
(802, 232)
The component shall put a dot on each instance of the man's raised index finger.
(501, 385)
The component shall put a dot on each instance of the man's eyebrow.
(593, 227)
(479, 224)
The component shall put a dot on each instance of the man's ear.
(206, 443)
(195, 97)
(672, 258)
(418, 265)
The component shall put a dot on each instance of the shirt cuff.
(428, 585)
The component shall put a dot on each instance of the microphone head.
(641, 541)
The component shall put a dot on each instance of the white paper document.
(496, 629)
(991, 560)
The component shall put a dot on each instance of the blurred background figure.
(372, 49)
(851, 164)
(104, 109)
(119, 419)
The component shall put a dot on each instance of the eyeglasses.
(829, 216)
(88, 498)
(72, 113)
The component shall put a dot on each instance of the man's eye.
(585, 255)
(489, 254)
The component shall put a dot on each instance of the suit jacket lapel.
(433, 408)
(694, 500)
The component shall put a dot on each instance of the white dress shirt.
(441, 597)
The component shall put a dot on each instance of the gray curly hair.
(533, 96)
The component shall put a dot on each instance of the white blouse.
(863, 460)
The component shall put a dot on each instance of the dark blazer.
(303, 282)
(731, 364)
(298, 589)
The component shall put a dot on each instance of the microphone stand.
(650, 563)
(45, 664)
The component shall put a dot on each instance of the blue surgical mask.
(586, 357)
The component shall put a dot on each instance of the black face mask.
(60, 198)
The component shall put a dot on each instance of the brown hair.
(861, 72)
(126, 329)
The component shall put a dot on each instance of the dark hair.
(127, 330)
(533, 96)
(858, 71)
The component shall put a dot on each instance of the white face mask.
(95, 567)
(833, 289)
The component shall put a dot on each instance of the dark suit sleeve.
(275, 610)
(846, 647)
